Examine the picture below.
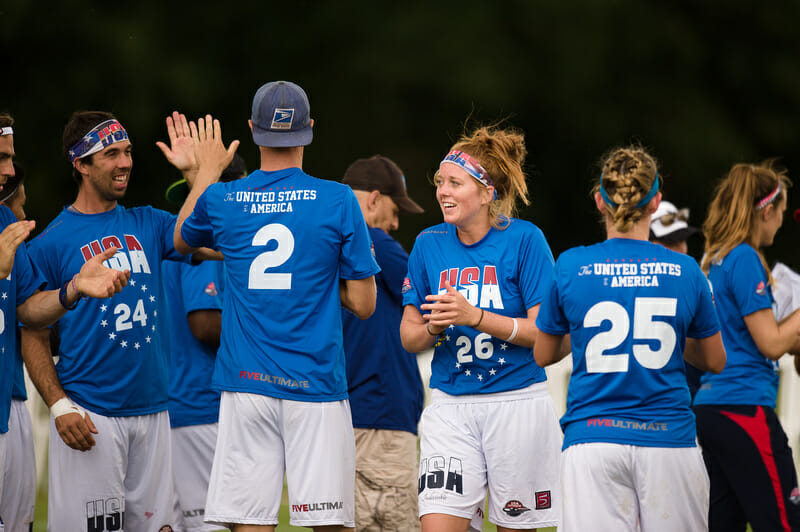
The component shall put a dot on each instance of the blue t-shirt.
(108, 361)
(18, 390)
(628, 306)
(23, 281)
(288, 239)
(383, 379)
(187, 288)
(741, 287)
(506, 272)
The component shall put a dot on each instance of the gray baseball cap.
(281, 116)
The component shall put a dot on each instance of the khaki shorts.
(386, 480)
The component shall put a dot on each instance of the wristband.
(514, 331)
(62, 297)
(65, 406)
(479, 320)
(428, 328)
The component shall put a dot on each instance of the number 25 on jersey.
(645, 329)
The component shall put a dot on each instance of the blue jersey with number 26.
(287, 238)
(629, 306)
(506, 273)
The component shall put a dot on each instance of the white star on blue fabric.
(103, 308)
(124, 343)
(104, 323)
(112, 336)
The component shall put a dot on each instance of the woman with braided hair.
(473, 289)
(630, 458)
(744, 446)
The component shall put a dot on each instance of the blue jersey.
(18, 390)
(23, 281)
(740, 288)
(628, 306)
(383, 379)
(108, 361)
(287, 238)
(506, 272)
(185, 289)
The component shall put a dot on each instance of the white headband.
(6, 131)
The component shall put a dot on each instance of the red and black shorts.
(750, 466)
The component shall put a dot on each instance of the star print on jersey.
(468, 349)
(130, 317)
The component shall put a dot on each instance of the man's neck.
(87, 203)
(273, 159)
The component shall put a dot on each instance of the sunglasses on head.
(671, 217)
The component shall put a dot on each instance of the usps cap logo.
(282, 119)
(761, 289)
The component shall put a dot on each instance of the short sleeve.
(196, 230)
(750, 279)
(393, 261)
(28, 279)
(705, 322)
(551, 318)
(415, 285)
(200, 287)
(536, 265)
(356, 260)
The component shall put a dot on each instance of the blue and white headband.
(8, 130)
(644, 201)
(471, 166)
(101, 136)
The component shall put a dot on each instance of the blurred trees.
(701, 84)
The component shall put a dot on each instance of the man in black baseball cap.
(383, 379)
(380, 187)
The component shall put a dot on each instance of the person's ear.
(373, 198)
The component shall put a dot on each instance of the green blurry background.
(703, 84)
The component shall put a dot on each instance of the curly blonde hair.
(501, 152)
(628, 175)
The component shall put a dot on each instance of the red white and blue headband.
(100, 137)
(471, 166)
(769, 198)
(8, 130)
(644, 201)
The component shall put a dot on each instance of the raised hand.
(212, 155)
(181, 150)
(96, 280)
(10, 239)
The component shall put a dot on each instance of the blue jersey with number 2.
(629, 306)
(287, 238)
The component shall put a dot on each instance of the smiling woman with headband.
(473, 288)
(629, 307)
(753, 478)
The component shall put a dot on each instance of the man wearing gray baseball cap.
(296, 250)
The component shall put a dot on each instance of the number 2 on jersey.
(259, 279)
(644, 328)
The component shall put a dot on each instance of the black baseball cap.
(382, 174)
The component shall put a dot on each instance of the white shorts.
(128, 470)
(259, 438)
(3, 445)
(192, 455)
(18, 501)
(609, 486)
(507, 443)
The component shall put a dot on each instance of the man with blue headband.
(23, 301)
(110, 461)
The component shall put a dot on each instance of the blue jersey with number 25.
(629, 306)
